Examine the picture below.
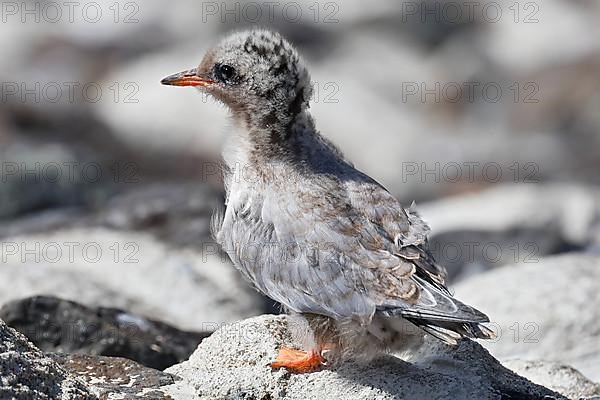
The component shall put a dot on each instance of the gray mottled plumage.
(308, 229)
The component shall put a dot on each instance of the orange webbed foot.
(298, 361)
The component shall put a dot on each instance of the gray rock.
(561, 378)
(43, 221)
(37, 175)
(190, 289)
(26, 373)
(234, 363)
(176, 213)
(572, 207)
(56, 325)
(511, 224)
(543, 311)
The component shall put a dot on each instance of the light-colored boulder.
(546, 310)
(561, 378)
(235, 363)
(190, 289)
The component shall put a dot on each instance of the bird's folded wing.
(350, 253)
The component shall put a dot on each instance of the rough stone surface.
(56, 325)
(561, 378)
(115, 378)
(186, 288)
(26, 373)
(234, 364)
(543, 311)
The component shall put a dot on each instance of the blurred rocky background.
(485, 113)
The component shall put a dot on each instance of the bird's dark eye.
(224, 73)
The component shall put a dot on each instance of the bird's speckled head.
(257, 74)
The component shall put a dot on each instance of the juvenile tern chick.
(309, 230)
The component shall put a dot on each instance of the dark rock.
(56, 325)
(468, 253)
(38, 175)
(43, 221)
(26, 373)
(177, 213)
(111, 376)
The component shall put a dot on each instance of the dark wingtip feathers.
(452, 332)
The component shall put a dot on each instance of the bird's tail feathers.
(452, 332)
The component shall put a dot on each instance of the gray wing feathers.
(436, 305)
(341, 253)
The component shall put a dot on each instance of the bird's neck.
(264, 155)
(270, 139)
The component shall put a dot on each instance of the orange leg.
(298, 361)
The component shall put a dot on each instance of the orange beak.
(186, 78)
